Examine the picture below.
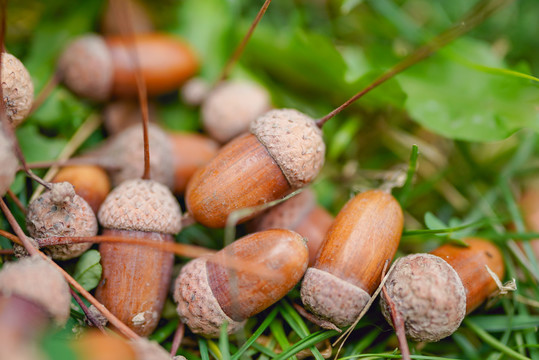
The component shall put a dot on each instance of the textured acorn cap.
(429, 295)
(61, 212)
(9, 163)
(288, 214)
(36, 280)
(332, 299)
(148, 350)
(197, 306)
(86, 67)
(295, 143)
(231, 107)
(141, 205)
(125, 153)
(18, 89)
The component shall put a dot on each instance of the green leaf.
(460, 102)
(349, 5)
(37, 147)
(433, 223)
(88, 269)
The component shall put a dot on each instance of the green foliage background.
(472, 110)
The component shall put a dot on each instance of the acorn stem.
(471, 19)
(186, 250)
(177, 340)
(129, 34)
(16, 200)
(86, 311)
(398, 324)
(238, 51)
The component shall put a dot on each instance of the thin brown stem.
(85, 160)
(87, 312)
(398, 323)
(471, 19)
(10, 237)
(24, 240)
(35, 252)
(6, 252)
(239, 50)
(186, 250)
(17, 201)
(45, 92)
(177, 340)
(123, 10)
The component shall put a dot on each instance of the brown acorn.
(229, 109)
(60, 212)
(433, 292)
(283, 152)
(349, 265)
(94, 345)
(209, 292)
(121, 155)
(99, 68)
(90, 182)
(300, 214)
(136, 278)
(18, 89)
(32, 294)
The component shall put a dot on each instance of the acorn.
(301, 214)
(60, 212)
(136, 278)
(94, 345)
(18, 89)
(209, 292)
(32, 295)
(190, 151)
(9, 163)
(349, 265)
(122, 155)
(229, 109)
(99, 68)
(90, 183)
(283, 152)
(433, 292)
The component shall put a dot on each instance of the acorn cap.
(197, 306)
(18, 89)
(61, 212)
(288, 214)
(332, 299)
(429, 295)
(9, 162)
(294, 141)
(148, 350)
(125, 152)
(141, 205)
(194, 91)
(38, 281)
(86, 67)
(231, 107)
